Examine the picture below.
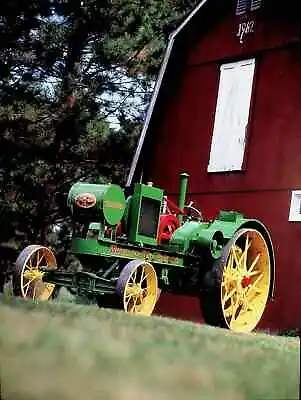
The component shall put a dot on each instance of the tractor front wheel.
(137, 287)
(27, 277)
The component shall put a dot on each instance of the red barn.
(226, 109)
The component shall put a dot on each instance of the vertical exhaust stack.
(182, 192)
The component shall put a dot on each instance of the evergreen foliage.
(66, 68)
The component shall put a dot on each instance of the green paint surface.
(113, 204)
(110, 200)
(109, 249)
(144, 192)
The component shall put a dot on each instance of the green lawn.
(55, 351)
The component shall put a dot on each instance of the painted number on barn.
(244, 29)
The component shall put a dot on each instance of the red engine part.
(108, 230)
(167, 225)
(173, 208)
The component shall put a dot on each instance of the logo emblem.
(85, 200)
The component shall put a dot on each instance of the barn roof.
(157, 88)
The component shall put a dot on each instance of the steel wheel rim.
(32, 285)
(246, 281)
(141, 290)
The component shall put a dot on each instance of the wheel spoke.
(130, 298)
(245, 253)
(133, 277)
(255, 283)
(38, 259)
(249, 274)
(255, 289)
(234, 311)
(129, 289)
(239, 261)
(134, 305)
(228, 296)
(233, 249)
(230, 261)
(145, 277)
(27, 290)
(26, 266)
(229, 309)
(142, 275)
(28, 283)
(255, 261)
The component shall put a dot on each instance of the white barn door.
(231, 117)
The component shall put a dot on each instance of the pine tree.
(65, 67)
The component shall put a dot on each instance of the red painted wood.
(273, 163)
(221, 41)
(274, 134)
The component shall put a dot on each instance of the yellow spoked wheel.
(243, 278)
(137, 286)
(246, 281)
(29, 270)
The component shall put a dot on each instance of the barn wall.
(273, 161)
(274, 139)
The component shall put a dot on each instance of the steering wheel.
(197, 213)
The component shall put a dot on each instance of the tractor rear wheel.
(137, 287)
(236, 291)
(28, 273)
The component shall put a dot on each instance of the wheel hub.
(245, 282)
(33, 274)
(135, 290)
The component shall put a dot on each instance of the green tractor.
(133, 247)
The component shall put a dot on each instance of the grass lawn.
(62, 351)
